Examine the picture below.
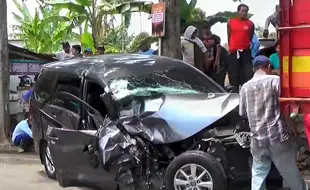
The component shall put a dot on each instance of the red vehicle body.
(294, 33)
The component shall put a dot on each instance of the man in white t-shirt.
(66, 53)
(188, 42)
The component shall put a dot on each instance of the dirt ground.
(25, 172)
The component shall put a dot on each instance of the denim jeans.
(283, 155)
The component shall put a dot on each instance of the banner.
(158, 19)
(24, 67)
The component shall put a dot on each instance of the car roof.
(113, 66)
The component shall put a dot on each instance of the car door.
(75, 153)
(39, 96)
(66, 111)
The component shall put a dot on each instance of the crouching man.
(22, 136)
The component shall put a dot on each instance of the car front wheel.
(48, 162)
(195, 170)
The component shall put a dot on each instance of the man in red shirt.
(240, 32)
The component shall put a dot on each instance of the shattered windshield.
(175, 80)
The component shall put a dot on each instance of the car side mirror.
(231, 89)
(110, 104)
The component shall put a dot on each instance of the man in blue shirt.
(255, 44)
(27, 95)
(22, 135)
(145, 48)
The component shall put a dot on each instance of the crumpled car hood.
(172, 118)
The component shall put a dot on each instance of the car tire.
(185, 163)
(51, 173)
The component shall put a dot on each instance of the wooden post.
(171, 43)
(4, 75)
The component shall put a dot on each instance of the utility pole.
(171, 43)
(4, 74)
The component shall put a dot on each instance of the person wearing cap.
(88, 52)
(270, 140)
(65, 53)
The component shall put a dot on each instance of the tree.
(43, 32)
(171, 44)
(4, 75)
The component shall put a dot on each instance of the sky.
(140, 22)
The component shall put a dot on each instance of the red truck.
(294, 36)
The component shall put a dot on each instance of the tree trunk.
(171, 43)
(4, 75)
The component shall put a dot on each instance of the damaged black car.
(138, 122)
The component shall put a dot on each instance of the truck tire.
(47, 162)
(195, 169)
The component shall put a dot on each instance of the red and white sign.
(158, 19)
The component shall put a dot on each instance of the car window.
(176, 79)
(69, 83)
(45, 85)
(93, 93)
(66, 103)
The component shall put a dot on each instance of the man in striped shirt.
(270, 142)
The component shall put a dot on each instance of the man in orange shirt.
(240, 32)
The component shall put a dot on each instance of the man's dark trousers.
(240, 69)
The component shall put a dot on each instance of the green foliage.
(87, 40)
(226, 15)
(186, 9)
(133, 6)
(196, 14)
(90, 12)
(44, 31)
(117, 40)
(199, 19)
(141, 38)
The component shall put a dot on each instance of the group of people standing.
(75, 51)
(257, 80)
(205, 52)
